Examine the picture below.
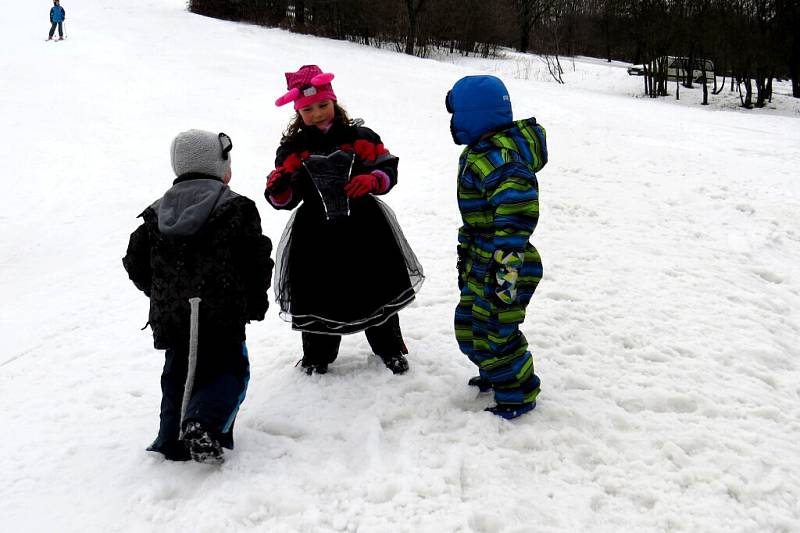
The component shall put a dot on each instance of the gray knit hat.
(201, 151)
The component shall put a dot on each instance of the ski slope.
(665, 331)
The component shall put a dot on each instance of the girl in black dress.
(343, 264)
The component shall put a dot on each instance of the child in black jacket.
(203, 240)
(344, 265)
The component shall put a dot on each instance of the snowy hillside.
(666, 330)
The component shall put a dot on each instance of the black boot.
(175, 450)
(398, 363)
(319, 351)
(483, 384)
(386, 341)
(313, 367)
(203, 446)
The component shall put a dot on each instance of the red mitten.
(292, 163)
(279, 188)
(277, 182)
(360, 185)
(368, 151)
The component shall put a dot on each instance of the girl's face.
(319, 114)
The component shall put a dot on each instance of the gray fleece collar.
(187, 206)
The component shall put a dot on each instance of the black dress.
(342, 275)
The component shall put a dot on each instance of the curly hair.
(296, 125)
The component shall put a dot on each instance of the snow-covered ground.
(666, 330)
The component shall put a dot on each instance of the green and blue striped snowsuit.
(498, 268)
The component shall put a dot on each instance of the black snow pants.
(384, 339)
(60, 29)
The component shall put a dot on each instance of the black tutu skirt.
(345, 275)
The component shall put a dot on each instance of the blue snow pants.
(488, 334)
(221, 378)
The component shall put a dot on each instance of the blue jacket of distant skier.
(57, 14)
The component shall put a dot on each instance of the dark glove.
(257, 307)
(460, 264)
(360, 185)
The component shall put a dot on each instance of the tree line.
(750, 42)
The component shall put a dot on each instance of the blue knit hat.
(479, 104)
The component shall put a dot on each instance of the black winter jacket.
(370, 154)
(201, 239)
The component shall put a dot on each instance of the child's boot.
(203, 446)
(509, 411)
(397, 363)
(318, 352)
(174, 450)
(483, 384)
(313, 367)
(387, 343)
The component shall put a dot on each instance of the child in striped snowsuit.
(498, 269)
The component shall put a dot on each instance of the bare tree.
(414, 8)
(529, 12)
(608, 13)
(300, 13)
(788, 15)
(746, 39)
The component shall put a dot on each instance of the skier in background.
(201, 239)
(498, 269)
(343, 264)
(57, 16)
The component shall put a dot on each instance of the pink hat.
(306, 86)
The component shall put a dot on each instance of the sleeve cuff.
(383, 181)
(282, 198)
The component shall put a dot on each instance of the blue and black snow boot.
(203, 446)
(509, 411)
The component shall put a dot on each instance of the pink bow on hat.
(307, 86)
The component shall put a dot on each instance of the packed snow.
(665, 331)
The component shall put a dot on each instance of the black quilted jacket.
(201, 239)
